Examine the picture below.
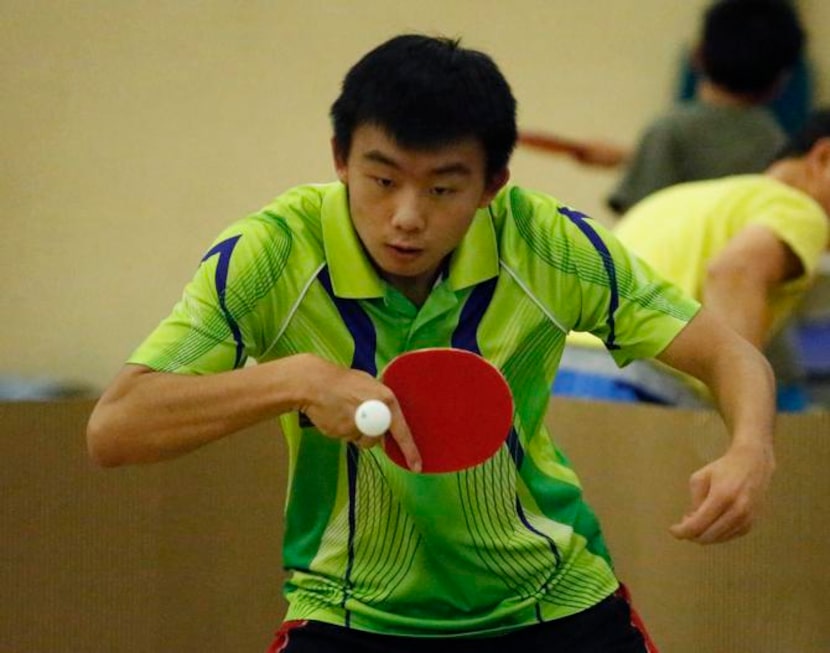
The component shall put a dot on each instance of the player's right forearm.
(146, 416)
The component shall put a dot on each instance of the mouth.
(402, 249)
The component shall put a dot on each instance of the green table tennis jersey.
(504, 544)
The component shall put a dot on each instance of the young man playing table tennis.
(421, 243)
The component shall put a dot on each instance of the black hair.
(816, 127)
(427, 92)
(747, 45)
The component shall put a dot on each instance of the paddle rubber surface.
(458, 407)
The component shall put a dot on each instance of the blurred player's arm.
(740, 278)
(588, 152)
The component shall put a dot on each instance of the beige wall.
(133, 131)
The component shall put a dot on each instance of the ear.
(821, 150)
(494, 185)
(340, 159)
(696, 59)
(818, 157)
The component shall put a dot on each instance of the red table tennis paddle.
(458, 407)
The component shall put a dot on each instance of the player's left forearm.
(737, 374)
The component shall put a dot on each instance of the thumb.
(699, 485)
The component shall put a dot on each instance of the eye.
(441, 191)
(383, 182)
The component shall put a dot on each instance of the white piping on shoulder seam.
(533, 297)
(294, 308)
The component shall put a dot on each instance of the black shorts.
(611, 626)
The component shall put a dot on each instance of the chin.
(403, 270)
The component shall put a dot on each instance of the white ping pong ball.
(373, 418)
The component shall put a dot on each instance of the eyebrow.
(457, 168)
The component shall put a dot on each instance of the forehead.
(372, 144)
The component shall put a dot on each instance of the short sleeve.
(799, 222)
(215, 325)
(634, 311)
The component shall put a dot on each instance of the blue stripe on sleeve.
(580, 220)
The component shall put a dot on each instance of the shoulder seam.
(533, 297)
(294, 308)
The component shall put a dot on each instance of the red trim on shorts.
(281, 636)
(637, 621)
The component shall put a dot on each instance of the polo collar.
(476, 259)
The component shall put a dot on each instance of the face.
(411, 208)
(818, 161)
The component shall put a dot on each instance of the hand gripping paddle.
(458, 407)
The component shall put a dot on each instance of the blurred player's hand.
(601, 154)
(592, 153)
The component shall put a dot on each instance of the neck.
(415, 289)
(791, 172)
(717, 96)
(417, 293)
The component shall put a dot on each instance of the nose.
(410, 212)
